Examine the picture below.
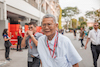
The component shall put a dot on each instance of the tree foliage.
(70, 11)
(74, 23)
(65, 26)
(82, 21)
(92, 14)
(89, 14)
(98, 13)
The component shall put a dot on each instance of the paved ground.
(85, 54)
(19, 59)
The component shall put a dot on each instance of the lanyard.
(55, 45)
(30, 42)
(96, 33)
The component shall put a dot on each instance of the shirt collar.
(97, 30)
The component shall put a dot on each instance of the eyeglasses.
(30, 28)
(96, 25)
(48, 25)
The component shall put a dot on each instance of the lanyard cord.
(55, 46)
(30, 41)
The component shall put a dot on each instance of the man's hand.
(76, 65)
(9, 38)
(87, 42)
(23, 44)
(30, 33)
(85, 46)
(32, 56)
(26, 34)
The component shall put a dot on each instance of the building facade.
(24, 11)
(90, 24)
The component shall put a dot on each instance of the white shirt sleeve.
(41, 51)
(89, 35)
(72, 55)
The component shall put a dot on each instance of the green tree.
(74, 23)
(98, 13)
(83, 24)
(82, 21)
(79, 23)
(65, 26)
(93, 14)
(90, 28)
(69, 12)
(90, 14)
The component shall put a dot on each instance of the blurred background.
(70, 15)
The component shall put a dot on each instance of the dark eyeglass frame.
(96, 25)
(30, 28)
(49, 25)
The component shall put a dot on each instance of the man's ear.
(57, 25)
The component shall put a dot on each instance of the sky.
(82, 5)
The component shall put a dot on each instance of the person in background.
(74, 33)
(82, 37)
(26, 47)
(56, 50)
(19, 38)
(62, 31)
(31, 38)
(7, 46)
(86, 33)
(94, 36)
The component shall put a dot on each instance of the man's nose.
(30, 29)
(46, 27)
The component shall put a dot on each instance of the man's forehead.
(48, 19)
(31, 25)
(96, 23)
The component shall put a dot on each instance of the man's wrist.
(25, 37)
(31, 35)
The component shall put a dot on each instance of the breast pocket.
(61, 62)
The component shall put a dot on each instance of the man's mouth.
(47, 31)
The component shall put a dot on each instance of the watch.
(31, 35)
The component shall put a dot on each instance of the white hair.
(50, 16)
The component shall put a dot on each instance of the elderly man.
(56, 50)
(94, 36)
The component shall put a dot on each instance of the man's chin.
(47, 34)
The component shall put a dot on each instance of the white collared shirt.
(66, 53)
(94, 36)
